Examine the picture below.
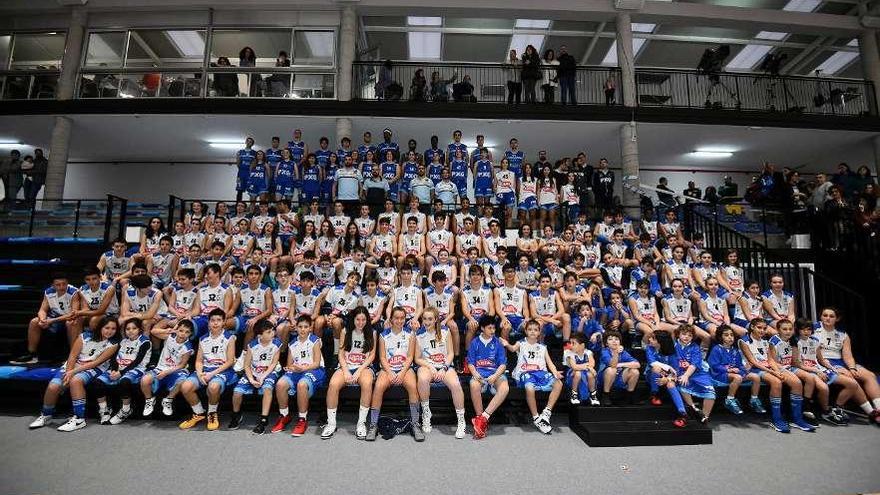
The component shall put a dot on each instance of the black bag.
(391, 427)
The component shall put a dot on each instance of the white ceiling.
(169, 138)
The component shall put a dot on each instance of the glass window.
(4, 50)
(38, 51)
(266, 45)
(313, 86)
(105, 49)
(166, 48)
(315, 48)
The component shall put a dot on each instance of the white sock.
(102, 405)
(335, 346)
(166, 400)
(867, 407)
(876, 403)
(331, 416)
(460, 414)
(126, 407)
(303, 415)
(426, 407)
(241, 356)
(362, 414)
(486, 414)
(284, 411)
(212, 408)
(198, 409)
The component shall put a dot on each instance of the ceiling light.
(188, 43)
(638, 27)
(7, 142)
(749, 56)
(423, 46)
(424, 21)
(771, 35)
(532, 24)
(712, 153)
(519, 42)
(837, 62)
(226, 145)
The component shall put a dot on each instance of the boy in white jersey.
(536, 371)
(56, 313)
(170, 371)
(256, 304)
(143, 301)
(546, 307)
(477, 301)
(212, 295)
(114, 264)
(213, 370)
(306, 297)
(303, 374)
(408, 297)
(511, 304)
(467, 239)
(260, 361)
(181, 300)
(382, 242)
(342, 299)
(96, 299)
(374, 301)
(283, 303)
(411, 243)
(437, 239)
(162, 264)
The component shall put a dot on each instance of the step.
(593, 414)
(641, 433)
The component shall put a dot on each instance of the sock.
(776, 408)
(729, 397)
(459, 413)
(126, 407)
(754, 397)
(47, 410)
(264, 419)
(867, 407)
(486, 415)
(414, 412)
(426, 407)
(362, 414)
(198, 409)
(374, 416)
(212, 408)
(876, 403)
(284, 412)
(102, 405)
(303, 415)
(335, 346)
(331, 416)
(797, 407)
(652, 383)
(79, 408)
(675, 395)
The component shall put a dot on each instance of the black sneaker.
(574, 398)
(27, 358)
(605, 400)
(260, 428)
(235, 422)
(834, 419)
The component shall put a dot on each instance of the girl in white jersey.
(733, 275)
(836, 354)
(396, 349)
(125, 372)
(778, 302)
(88, 358)
(528, 197)
(535, 371)
(434, 355)
(356, 355)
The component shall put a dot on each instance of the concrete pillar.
(72, 55)
(343, 129)
(58, 150)
(629, 164)
(869, 55)
(347, 45)
(626, 58)
(876, 142)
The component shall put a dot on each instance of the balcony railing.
(28, 84)
(654, 88)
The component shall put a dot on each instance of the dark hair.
(349, 328)
(136, 321)
(91, 270)
(719, 333)
(307, 275)
(97, 336)
(665, 343)
(188, 324)
(609, 334)
(262, 325)
(217, 312)
(487, 320)
(251, 58)
(149, 232)
(141, 281)
(580, 338)
(186, 272)
(213, 267)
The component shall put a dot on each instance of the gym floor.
(155, 457)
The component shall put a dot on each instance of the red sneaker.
(680, 422)
(281, 424)
(300, 428)
(481, 425)
(655, 401)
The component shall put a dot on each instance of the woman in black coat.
(531, 72)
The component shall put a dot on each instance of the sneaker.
(426, 421)
(481, 425)
(260, 428)
(213, 421)
(120, 416)
(372, 431)
(781, 426)
(360, 432)
(239, 363)
(281, 424)
(194, 420)
(149, 404)
(733, 406)
(606, 400)
(545, 416)
(543, 426)
(757, 406)
(328, 431)
(655, 401)
(695, 411)
(573, 398)
(25, 359)
(594, 400)
(810, 417)
(803, 425)
(41, 421)
(832, 418)
(73, 424)
(418, 433)
(681, 421)
(459, 430)
(840, 413)
(104, 415)
(704, 419)
(299, 429)
(235, 421)
(874, 416)
(168, 407)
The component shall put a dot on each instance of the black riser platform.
(641, 433)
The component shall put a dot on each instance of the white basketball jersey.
(302, 352)
(531, 357)
(174, 353)
(433, 349)
(396, 347)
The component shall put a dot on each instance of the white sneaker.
(73, 424)
(41, 421)
(459, 430)
(328, 431)
(167, 407)
(149, 404)
(594, 401)
(426, 421)
(543, 426)
(361, 431)
(120, 416)
(239, 363)
(105, 415)
(544, 416)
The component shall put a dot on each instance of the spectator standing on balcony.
(439, 91)
(821, 192)
(247, 58)
(550, 79)
(10, 172)
(837, 215)
(692, 191)
(531, 72)
(666, 199)
(513, 70)
(36, 178)
(566, 73)
(419, 86)
(386, 88)
(863, 178)
(846, 179)
(279, 84)
(603, 185)
(225, 84)
(610, 88)
(711, 195)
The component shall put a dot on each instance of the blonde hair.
(436, 328)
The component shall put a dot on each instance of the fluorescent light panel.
(423, 46)
(837, 62)
(227, 145)
(424, 21)
(611, 57)
(320, 43)
(189, 43)
(771, 35)
(711, 154)
(748, 57)
(802, 5)
(519, 42)
(532, 24)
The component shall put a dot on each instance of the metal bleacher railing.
(67, 218)
(663, 88)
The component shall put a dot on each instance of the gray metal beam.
(593, 40)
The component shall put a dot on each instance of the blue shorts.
(84, 376)
(240, 323)
(169, 382)
(461, 184)
(832, 375)
(307, 196)
(515, 323)
(549, 206)
(705, 324)
(201, 324)
(740, 322)
(223, 379)
(134, 376)
(284, 190)
(257, 187)
(549, 330)
(241, 182)
(618, 383)
(583, 386)
(313, 379)
(538, 380)
(483, 188)
(244, 387)
(56, 327)
(506, 198)
(573, 212)
(529, 204)
(486, 386)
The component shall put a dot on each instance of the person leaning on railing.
(512, 69)
(439, 93)
(418, 86)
